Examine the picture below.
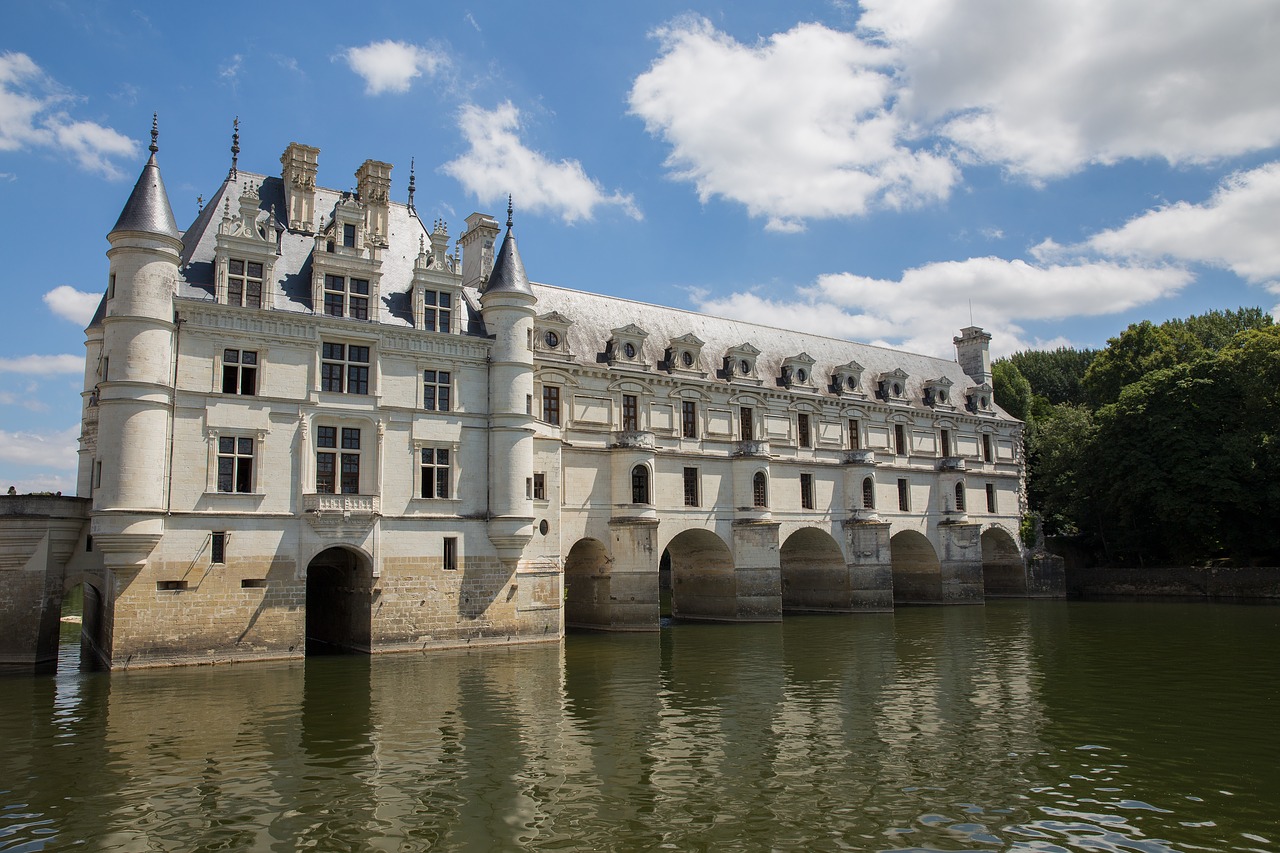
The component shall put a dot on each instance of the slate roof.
(148, 206)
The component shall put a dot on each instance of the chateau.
(309, 426)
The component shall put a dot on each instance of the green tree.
(1012, 390)
(1138, 350)
(1058, 451)
(1055, 374)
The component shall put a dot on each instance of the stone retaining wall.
(1242, 582)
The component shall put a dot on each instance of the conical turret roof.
(508, 275)
(148, 206)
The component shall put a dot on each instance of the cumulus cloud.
(918, 311)
(55, 450)
(71, 304)
(797, 126)
(33, 114)
(499, 163)
(43, 365)
(392, 66)
(816, 122)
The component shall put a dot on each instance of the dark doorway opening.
(339, 592)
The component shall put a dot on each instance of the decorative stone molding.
(752, 447)
(937, 393)
(634, 439)
(858, 457)
(846, 380)
(341, 515)
(951, 463)
(740, 364)
(797, 373)
(626, 347)
(892, 386)
(684, 355)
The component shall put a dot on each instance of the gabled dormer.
(437, 290)
(978, 399)
(937, 393)
(626, 347)
(740, 364)
(684, 355)
(846, 380)
(346, 269)
(797, 373)
(551, 336)
(892, 386)
(245, 252)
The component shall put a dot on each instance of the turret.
(973, 351)
(508, 306)
(135, 370)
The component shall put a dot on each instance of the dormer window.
(740, 364)
(244, 283)
(346, 297)
(937, 392)
(551, 339)
(629, 350)
(626, 346)
(684, 355)
(349, 235)
(846, 380)
(979, 398)
(797, 372)
(551, 335)
(893, 386)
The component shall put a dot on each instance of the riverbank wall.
(1244, 582)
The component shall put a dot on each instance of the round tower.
(135, 370)
(508, 307)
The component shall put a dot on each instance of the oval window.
(897, 390)
(801, 376)
(942, 396)
(543, 527)
(552, 339)
(629, 350)
(686, 358)
(852, 383)
(744, 367)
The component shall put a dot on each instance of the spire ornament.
(235, 149)
(509, 210)
(412, 185)
(155, 133)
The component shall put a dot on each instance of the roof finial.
(235, 148)
(155, 133)
(509, 209)
(199, 204)
(411, 184)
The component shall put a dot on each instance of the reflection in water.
(1019, 725)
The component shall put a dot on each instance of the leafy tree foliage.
(1056, 485)
(1012, 390)
(1055, 374)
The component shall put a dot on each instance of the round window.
(897, 390)
(552, 339)
(942, 396)
(801, 376)
(686, 358)
(629, 350)
(744, 367)
(985, 402)
(852, 383)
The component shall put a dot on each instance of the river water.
(1039, 726)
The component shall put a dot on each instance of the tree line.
(1162, 448)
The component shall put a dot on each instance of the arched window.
(868, 493)
(959, 497)
(760, 489)
(639, 485)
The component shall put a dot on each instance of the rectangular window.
(218, 547)
(991, 497)
(239, 372)
(326, 459)
(944, 442)
(630, 413)
(350, 461)
(806, 491)
(855, 438)
(802, 426)
(344, 368)
(435, 472)
(111, 286)
(235, 464)
(900, 439)
(987, 455)
(349, 236)
(539, 487)
(244, 283)
(437, 315)
(435, 390)
(690, 486)
(551, 404)
(745, 416)
(904, 496)
(346, 297)
(450, 556)
(689, 419)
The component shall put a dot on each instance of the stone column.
(870, 566)
(960, 554)
(757, 571)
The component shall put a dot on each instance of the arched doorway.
(339, 593)
(917, 573)
(586, 585)
(814, 574)
(702, 579)
(92, 621)
(1004, 573)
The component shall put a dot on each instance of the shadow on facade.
(815, 578)
(703, 585)
(917, 572)
(1004, 572)
(339, 598)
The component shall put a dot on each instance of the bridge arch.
(339, 602)
(586, 579)
(1004, 573)
(917, 572)
(703, 585)
(814, 574)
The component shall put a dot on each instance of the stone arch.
(917, 572)
(586, 584)
(1004, 572)
(703, 585)
(814, 574)
(93, 652)
(339, 602)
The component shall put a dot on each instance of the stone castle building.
(308, 426)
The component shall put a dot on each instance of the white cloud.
(498, 163)
(392, 66)
(32, 116)
(71, 304)
(43, 365)
(925, 308)
(52, 450)
(797, 126)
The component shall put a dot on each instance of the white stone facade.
(307, 425)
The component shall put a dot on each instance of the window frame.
(341, 459)
(238, 461)
(991, 498)
(242, 282)
(237, 372)
(449, 554)
(641, 482)
(760, 490)
(904, 495)
(435, 471)
(551, 411)
(630, 413)
(688, 418)
(692, 486)
(435, 316)
(804, 434)
(868, 493)
(855, 434)
(437, 395)
(900, 440)
(959, 496)
(346, 296)
(351, 371)
(806, 491)
(539, 485)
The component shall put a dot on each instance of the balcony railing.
(951, 463)
(344, 505)
(859, 457)
(751, 447)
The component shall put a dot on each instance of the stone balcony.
(341, 515)
(863, 515)
(859, 457)
(752, 447)
(634, 439)
(951, 463)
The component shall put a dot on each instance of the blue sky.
(874, 170)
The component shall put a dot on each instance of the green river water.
(1038, 726)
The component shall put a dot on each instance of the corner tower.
(135, 374)
(508, 307)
